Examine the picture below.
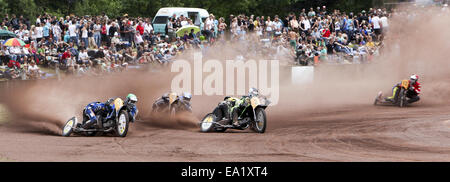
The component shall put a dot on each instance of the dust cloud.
(417, 43)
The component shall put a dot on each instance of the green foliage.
(111, 8)
(148, 8)
(3, 6)
(27, 8)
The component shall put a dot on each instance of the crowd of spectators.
(84, 45)
(98, 44)
(317, 35)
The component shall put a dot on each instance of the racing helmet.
(414, 78)
(253, 92)
(132, 99)
(166, 95)
(187, 96)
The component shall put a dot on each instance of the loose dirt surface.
(330, 120)
(352, 133)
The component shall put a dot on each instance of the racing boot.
(235, 120)
(89, 123)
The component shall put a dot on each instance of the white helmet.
(253, 92)
(414, 77)
(187, 96)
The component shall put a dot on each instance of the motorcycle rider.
(93, 110)
(130, 103)
(232, 105)
(412, 93)
(186, 98)
(164, 100)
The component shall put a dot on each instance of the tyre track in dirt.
(329, 120)
(354, 133)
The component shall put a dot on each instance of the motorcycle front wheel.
(122, 124)
(207, 123)
(260, 124)
(402, 97)
(68, 127)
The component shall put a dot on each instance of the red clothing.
(416, 87)
(104, 29)
(12, 63)
(140, 29)
(326, 33)
(66, 55)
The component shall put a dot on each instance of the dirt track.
(331, 120)
(354, 133)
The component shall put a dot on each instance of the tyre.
(122, 124)
(402, 98)
(68, 127)
(207, 124)
(260, 124)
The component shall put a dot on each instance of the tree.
(27, 8)
(148, 8)
(3, 7)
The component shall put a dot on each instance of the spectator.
(376, 23)
(73, 33)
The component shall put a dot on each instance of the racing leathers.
(231, 106)
(412, 93)
(92, 112)
(161, 103)
(133, 110)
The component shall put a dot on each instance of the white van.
(197, 15)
